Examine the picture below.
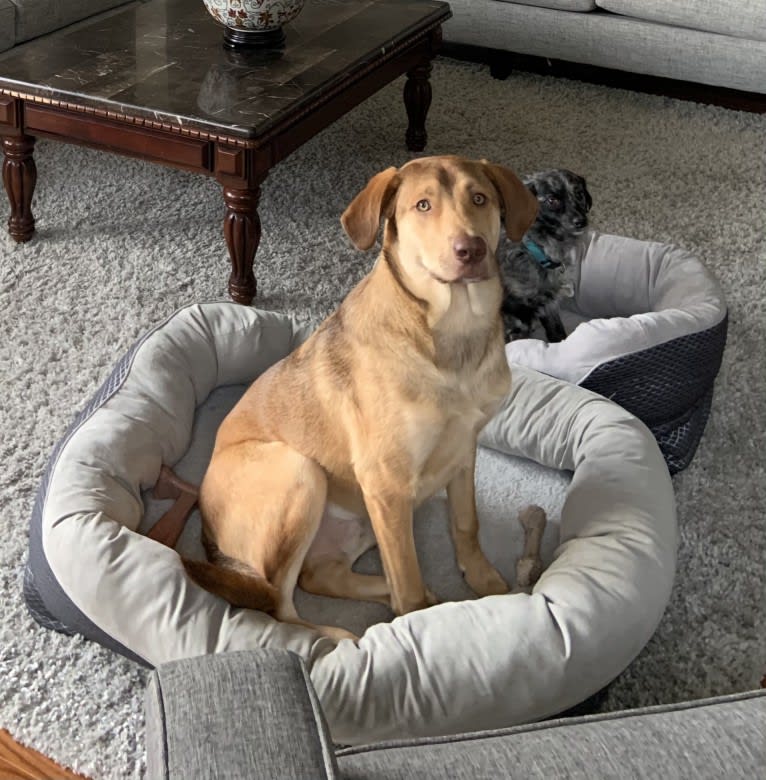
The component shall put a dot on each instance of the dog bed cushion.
(647, 328)
(462, 665)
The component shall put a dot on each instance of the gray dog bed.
(465, 664)
(647, 329)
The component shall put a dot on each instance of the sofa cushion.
(38, 17)
(743, 19)
(609, 40)
(706, 740)
(558, 5)
(7, 24)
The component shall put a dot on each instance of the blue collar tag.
(538, 255)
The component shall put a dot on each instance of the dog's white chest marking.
(473, 367)
(474, 378)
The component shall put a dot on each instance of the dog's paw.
(335, 633)
(484, 579)
(429, 599)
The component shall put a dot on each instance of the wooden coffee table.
(154, 81)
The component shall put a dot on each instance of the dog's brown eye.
(479, 199)
(423, 205)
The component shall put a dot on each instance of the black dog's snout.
(579, 222)
(469, 249)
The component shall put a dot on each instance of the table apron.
(156, 146)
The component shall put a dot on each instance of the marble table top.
(164, 60)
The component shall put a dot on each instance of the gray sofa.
(712, 42)
(22, 20)
(252, 715)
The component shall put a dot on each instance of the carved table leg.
(242, 229)
(417, 100)
(19, 177)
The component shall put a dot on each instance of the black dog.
(537, 271)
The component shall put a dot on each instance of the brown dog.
(378, 410)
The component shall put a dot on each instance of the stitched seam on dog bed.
(78, 620)
(96, 402)
(41, 498)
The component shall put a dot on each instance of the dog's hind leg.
(342, 537)
(334, 577)
(262, 503)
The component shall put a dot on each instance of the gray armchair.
(254, 715)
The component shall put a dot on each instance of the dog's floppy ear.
(361, 220)
(519, 204)
(588, 198)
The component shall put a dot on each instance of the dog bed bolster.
(647, 328)
(462, 665)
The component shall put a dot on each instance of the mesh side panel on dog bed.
(669, 387)
(650, 333)
(464, 664)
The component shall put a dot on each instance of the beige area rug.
(122, 244)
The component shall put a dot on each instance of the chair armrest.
(249, 715)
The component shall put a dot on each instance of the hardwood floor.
(20, 763)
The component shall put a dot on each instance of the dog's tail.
(234, 581)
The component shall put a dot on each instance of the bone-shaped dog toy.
(170, 526)
(530, 566)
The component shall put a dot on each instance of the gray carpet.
(121, 245)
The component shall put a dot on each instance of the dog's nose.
(578, 222)
(470, 249)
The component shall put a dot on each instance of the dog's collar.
(538, 254)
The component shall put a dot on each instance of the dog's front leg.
(550, 319)
(481, 576)
(391, 518)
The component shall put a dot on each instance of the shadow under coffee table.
(154, 81)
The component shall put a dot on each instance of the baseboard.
(502, 63)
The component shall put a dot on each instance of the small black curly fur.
(533, 292)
